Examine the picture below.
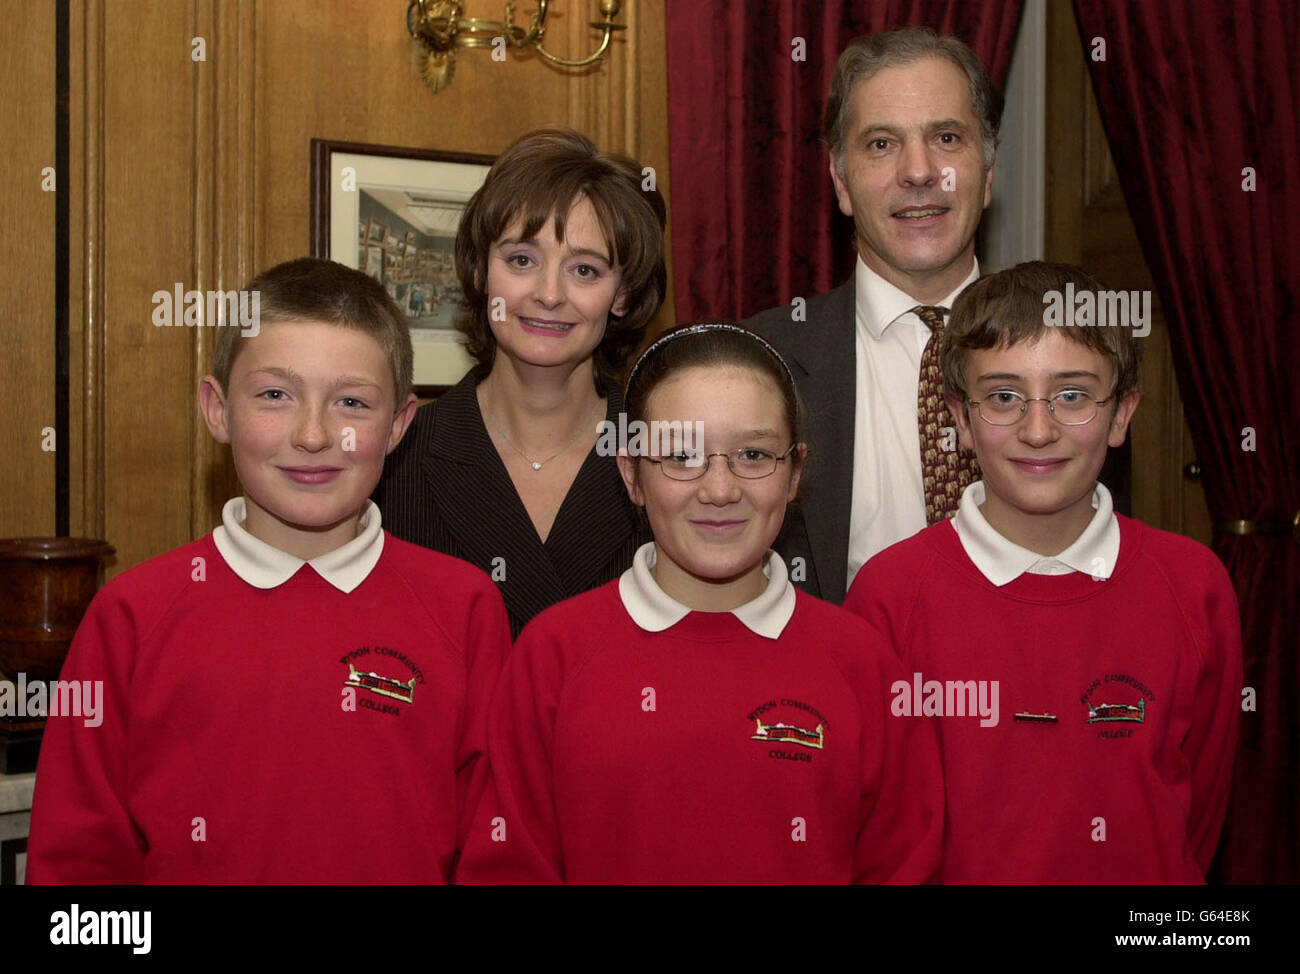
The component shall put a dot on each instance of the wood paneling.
(225, 187)
(147, 132)
(1088, 223)
(86, 295)
(27, 258)
(198, 173)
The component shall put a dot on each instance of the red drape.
(754, 218)
(1193, 96)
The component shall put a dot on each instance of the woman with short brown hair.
(560, 256)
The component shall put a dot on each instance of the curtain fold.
(755, 223)
(1200, 104)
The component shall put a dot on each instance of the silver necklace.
(536, 464)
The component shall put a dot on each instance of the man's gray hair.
(869, 54)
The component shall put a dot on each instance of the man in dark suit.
(912, 126)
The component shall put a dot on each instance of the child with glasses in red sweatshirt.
(1112, 650)
(699, 720)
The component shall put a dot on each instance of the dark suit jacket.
(820, 353)
(446, 488)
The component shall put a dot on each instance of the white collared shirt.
(654, 610)
(888, 498)
(266, 566)
(1094, 552)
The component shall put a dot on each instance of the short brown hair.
(869, 54)
(310, 289)
(539, 178)
(1007, 308)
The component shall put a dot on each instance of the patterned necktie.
(946, 468)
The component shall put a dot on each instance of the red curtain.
(1200, 103)
(754, 218)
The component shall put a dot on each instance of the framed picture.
(409, 201)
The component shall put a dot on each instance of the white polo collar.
(880, 304)
(265, 566)
(654, 610)
(1094, 552)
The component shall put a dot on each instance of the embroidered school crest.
(1115, 700)
(384, 672)
(1103, 713)
(383, 685)
(782, 722)
(790, 734)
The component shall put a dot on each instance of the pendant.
(536, 465)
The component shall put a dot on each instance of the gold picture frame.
(409, 201)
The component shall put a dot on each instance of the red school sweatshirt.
(704, 753)
(297, 734)
(1142, 673)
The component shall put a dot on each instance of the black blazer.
(820, 353)
(446, 488)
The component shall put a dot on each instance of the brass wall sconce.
(440, 27)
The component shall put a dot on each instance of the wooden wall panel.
(27, 259)
(148, 132)
(345, 71)
(644, 92)
(226, 205)
(86, 295)
(199, 172)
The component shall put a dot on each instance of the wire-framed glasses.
(748, 463)
(1071, 407)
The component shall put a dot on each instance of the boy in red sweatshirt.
(298, 697)
(1085, 668)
